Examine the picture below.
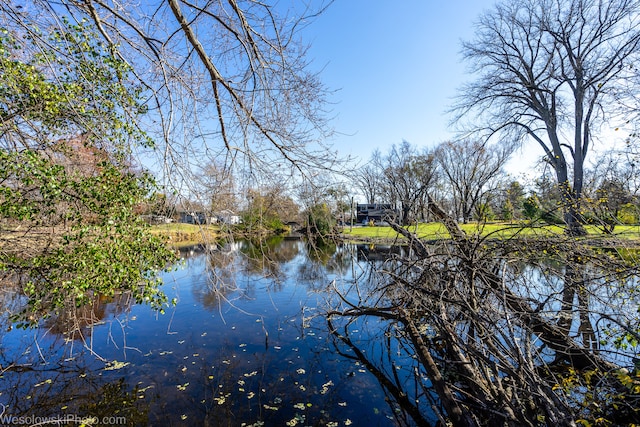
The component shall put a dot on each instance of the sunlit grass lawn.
(436, 231)
(186, 234)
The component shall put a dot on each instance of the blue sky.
(395, 66)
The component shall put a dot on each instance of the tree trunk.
(572, 216)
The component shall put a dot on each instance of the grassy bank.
(179, 234)
(189, 234)
(437, 231)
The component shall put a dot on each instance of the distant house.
(157, 219)
(375, 212)
(293, 225)
(194, 217)
(228, 217)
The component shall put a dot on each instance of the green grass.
(178, 233)
(436, 231)
(427, 231)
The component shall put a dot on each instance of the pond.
(247, 343)
(284, 333)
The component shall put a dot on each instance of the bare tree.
(224, 80)
(470, 169)
(407, 175)
(553, 71)
(218, 188)
(368, 178)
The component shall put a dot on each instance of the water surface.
(247, 343)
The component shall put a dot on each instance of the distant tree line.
(467, 178)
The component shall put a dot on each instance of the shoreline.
(182, 235)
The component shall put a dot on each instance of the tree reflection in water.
(47, 377)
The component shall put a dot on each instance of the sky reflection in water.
(246, 342)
